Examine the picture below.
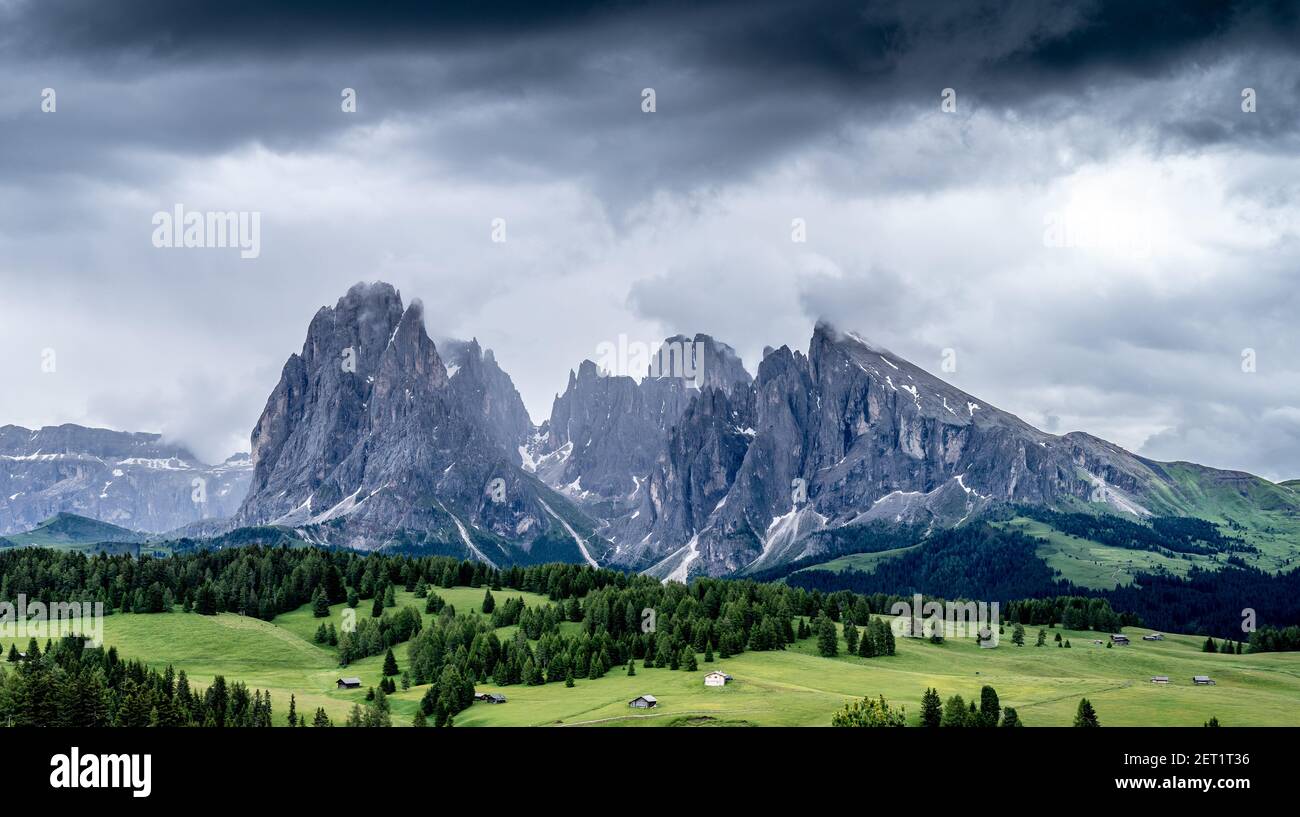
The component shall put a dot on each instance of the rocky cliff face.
(847, 435)
(370, 439)
(134, 480)
(607, 430)
(377, 435)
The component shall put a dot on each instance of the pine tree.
(353, 598)
(320, 606)
(568, 678)
(293, 710)
(419, 721)
(708, 652)
(688, 660)
(1086, 716)
(990, 708)
(377, 608)
(931, 708)
(631, 668)
(1210, 646)
(867, 644)
(850, 638)
(1213, 722)
(1010, 718)
(1042, 637)
(321, 718)
(1018, 635)
(390, 663)
(827, 638)
(954, 712)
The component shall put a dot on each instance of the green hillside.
(1099, 566)
(69, 531)
(866, 562)
(793, 687)
(1265, 514)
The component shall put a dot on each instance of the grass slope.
(1265, 514)
(1098, 566)
(67, 531)
(864, 562)
(791, 688)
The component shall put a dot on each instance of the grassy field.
(865, 562)
(791, 688)
(1098, 566)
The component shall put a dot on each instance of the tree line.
(68, 684)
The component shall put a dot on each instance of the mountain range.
(378, 436)
(135, 480)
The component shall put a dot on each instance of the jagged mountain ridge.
(131, 479)
(370, 439)
(375, 435)
(851, 434)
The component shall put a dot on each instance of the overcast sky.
(1098, 230)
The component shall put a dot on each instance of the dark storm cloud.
(766, 111)
(741, 82)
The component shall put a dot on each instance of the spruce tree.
(489, 603)
(320, 606)
(990, 708)
(931, 708)
(631, 668)
(1009, 717)
(390, 663)
(954, 712)
(1086, 716)
(850, 638)
(827, 638)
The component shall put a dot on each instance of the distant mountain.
(376, 436)
(373, 438)
(69, 529)
(606, 430)
(819, 445)
(134, 480)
